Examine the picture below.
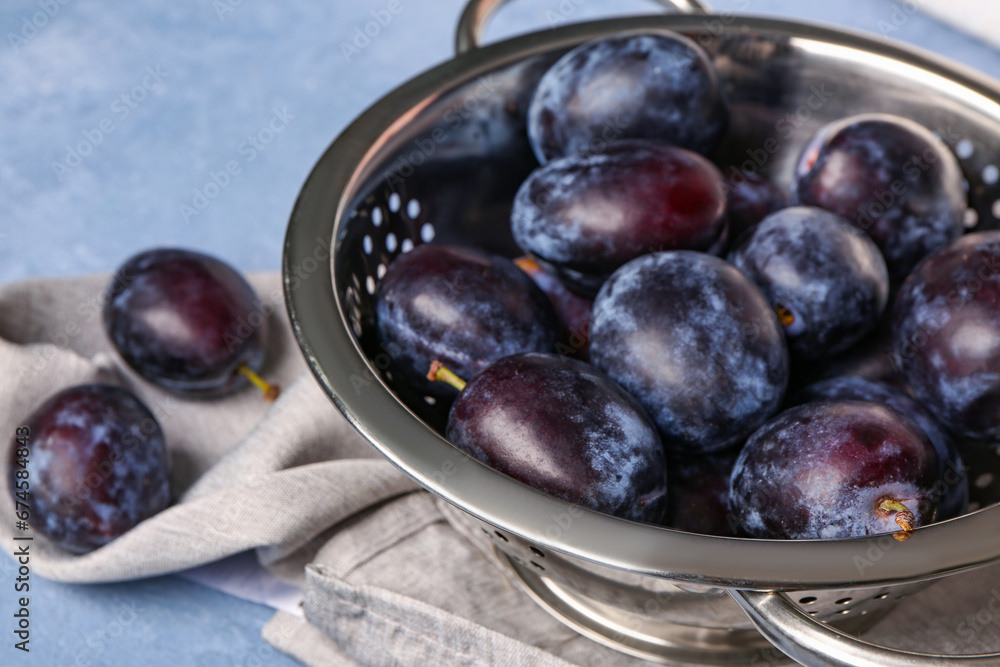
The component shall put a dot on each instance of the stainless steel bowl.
(441, 158)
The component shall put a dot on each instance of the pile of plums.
(96, 459)
(718, 356)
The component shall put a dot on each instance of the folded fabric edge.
(259, 513)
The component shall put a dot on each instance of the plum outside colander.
(441, 157)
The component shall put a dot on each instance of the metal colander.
(441, 157)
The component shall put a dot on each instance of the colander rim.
(333, 356)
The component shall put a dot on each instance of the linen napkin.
(390, 575)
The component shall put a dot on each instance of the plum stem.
(785, 316)
(904, 517)
(527, 264)
(441, 373)
(271, 391)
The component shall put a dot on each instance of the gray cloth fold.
(389, 579)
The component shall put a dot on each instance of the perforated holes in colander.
(393, 224)
(830, 605)
(982, 182)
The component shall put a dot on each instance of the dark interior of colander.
(449, 174)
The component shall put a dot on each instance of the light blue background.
(224, 75)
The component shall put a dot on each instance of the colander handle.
(478, 13)
(810, 642)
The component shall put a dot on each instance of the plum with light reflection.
(947, 335)
(462, 307)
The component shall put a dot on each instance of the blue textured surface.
(161, 621)
(225, 67)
